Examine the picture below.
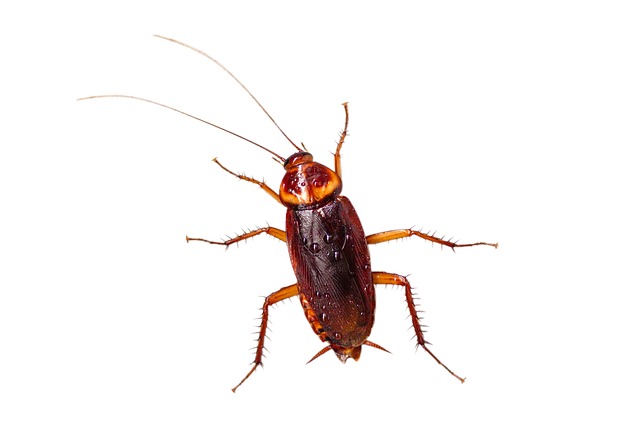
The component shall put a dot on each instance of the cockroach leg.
(272, 231)
(243, 177)
(336, 156)
(387, 236)
(381, 278)
(282, 294)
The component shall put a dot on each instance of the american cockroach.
(327, 246)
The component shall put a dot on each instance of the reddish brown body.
(328, 250)
(330, 257)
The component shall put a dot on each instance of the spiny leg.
(387, 236)
(243, 177)
(272, 231)
(381, 278)
(336, 156)
(282, 294)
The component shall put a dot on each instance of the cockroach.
(327, 246)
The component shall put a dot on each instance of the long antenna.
(234, 78)
(188, 115)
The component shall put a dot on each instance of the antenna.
(234, 78)
(188, 115)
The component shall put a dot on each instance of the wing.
(330, 257)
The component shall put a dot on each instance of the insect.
(327, 247)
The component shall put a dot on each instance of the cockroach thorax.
(308, 184)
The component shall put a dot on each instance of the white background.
(500, 121)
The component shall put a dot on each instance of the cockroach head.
(297, 159)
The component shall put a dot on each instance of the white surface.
(482, 120)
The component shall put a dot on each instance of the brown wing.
(330, 257)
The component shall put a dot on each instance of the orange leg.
(243, 177)
(282, 294)
(275, 232)
(336, 156)
(386, 236)
(381, 278)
